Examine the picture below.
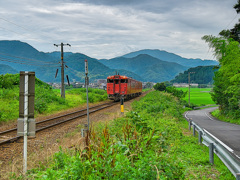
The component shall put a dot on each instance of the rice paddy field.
(199, 96)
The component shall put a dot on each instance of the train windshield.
(124, 81)
(110, 81)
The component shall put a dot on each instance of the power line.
(5, 54)
(26, 29)
(14, 24)
(15, 61)
(219, 34)
(231, 21)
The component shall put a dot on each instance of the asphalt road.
(228, 133)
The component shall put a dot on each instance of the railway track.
(9, 136)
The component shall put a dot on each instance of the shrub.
(160, 87)
(175, 92)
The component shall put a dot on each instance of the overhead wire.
(15, 24)
(219, 34)
(18, 57)
(29, 59)
(14, 61)
(26, 29)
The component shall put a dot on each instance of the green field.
(199, 96)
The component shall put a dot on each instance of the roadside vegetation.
(226, 88)
(222, 117)
(47, 100)
(151, 142)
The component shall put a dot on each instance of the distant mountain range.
(144, 65)
(23, 57)
(171, 57)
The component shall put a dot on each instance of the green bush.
(160, 87)
(175, 92)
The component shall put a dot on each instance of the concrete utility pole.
(62, 69)
(26, 123)
(189, 87)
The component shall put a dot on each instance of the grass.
(224, 118)
(199, 96)
(150, 142)
(47, 100)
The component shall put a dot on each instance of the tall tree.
(235, 31)
(226, 91)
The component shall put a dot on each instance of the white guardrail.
(226, 154)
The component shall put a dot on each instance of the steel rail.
(106, 105)
(50, 119)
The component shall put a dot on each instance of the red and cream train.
(118, 86)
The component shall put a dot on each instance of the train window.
(124, 80)
(110, 81)
(116, 81)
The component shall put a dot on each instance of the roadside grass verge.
(150, 142)
(222, 117)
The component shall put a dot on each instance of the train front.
(116, 86)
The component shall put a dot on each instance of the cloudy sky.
(110, 28)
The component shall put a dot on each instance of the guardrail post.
(194, 127)
(189, 124)
(238, 176)
(211, 153)
(200, 137)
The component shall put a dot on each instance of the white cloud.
(112, 28)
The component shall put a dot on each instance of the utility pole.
(26, 123)
(62, 69)
(86, 84)
(189, 87)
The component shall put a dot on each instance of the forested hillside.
(200, 75)
(149, 68)
(23, 57)
(4, 69)
(154, 66)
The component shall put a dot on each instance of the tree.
(160, 87)
(235, 31)
(226, 90)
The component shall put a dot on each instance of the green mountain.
(171, 57)
(201, 75)
(4, 69)
(146, 66)
(23, 57)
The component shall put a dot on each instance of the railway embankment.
(151, 141)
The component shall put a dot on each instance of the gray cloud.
(111, 28)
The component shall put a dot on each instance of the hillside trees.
(202, 75)
(226, 91)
